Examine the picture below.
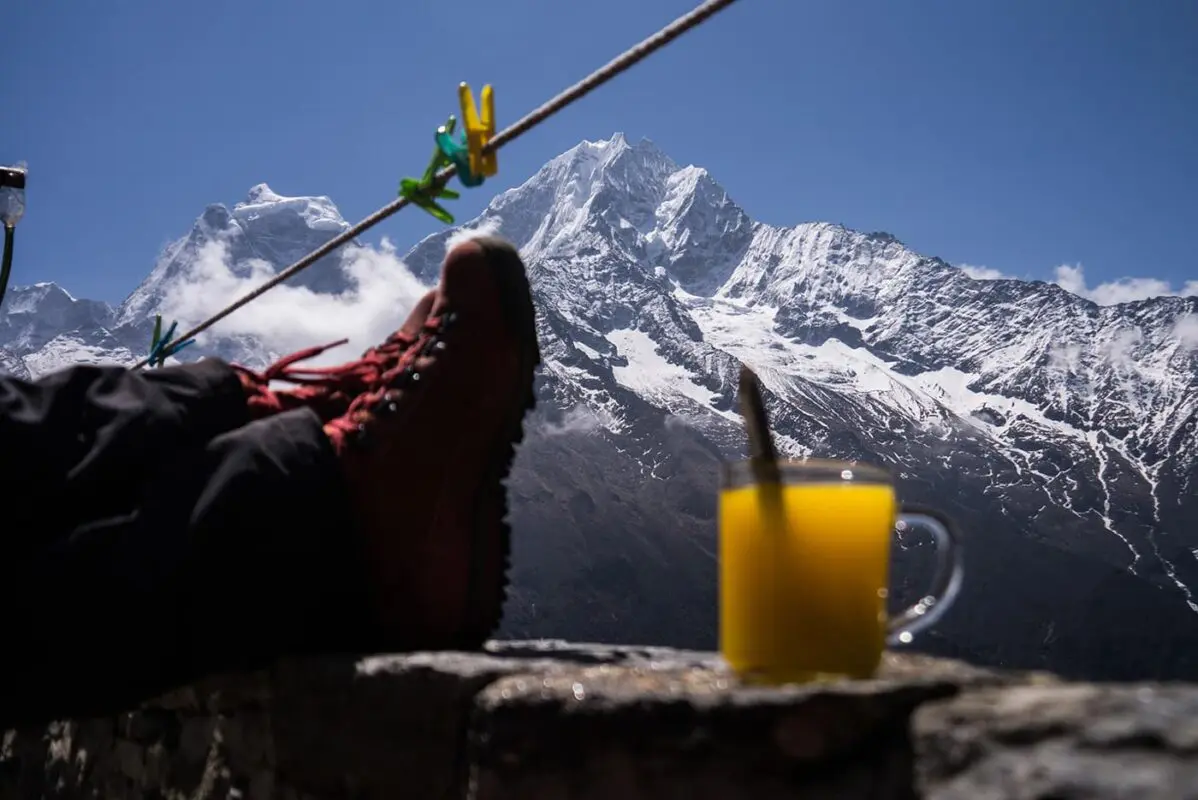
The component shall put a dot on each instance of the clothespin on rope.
(473, 165)
(161, 347)
(423, 192)
(456, 153)
(479, 130)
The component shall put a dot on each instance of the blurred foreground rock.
(535, 720)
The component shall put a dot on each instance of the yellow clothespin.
(479, 131)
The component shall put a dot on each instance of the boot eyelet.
(415, 377)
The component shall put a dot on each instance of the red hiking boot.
(328, 390)
(427, 447)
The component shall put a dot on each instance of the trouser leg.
(233, 553)
(78, 444)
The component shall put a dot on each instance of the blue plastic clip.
(159, 349)
(457, 152)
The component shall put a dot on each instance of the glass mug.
(804, 581)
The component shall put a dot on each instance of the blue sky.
(1016, 135)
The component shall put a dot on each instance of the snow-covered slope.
(1036, 416)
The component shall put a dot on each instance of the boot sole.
(486, 595)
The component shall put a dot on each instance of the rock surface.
(554, 720)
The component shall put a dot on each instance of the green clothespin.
(422, 193)
(156, 339)
(419, 195)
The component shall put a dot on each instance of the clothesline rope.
(602, 75)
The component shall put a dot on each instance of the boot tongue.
(419, 316)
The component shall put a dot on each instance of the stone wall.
(551, 720)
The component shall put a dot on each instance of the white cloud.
(982, 273)
(1073, 279)
(287, 318)
(1121, 348)
(1064, 357)
(578, 420)
(673, 422)
(1186, 332)
(1123, 290)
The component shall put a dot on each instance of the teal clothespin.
(161, 347)
(174, 349)
(456, 153)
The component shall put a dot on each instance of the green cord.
(6, 264)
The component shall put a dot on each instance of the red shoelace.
(375, 376)
(361, 374)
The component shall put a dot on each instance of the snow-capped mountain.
(265, 227)
(1063, 435)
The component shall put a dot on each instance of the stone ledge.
(549, 719)
(1075, 740)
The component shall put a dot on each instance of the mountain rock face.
(1062, 435)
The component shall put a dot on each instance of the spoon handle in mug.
(762, 454)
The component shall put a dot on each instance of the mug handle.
(946, 583)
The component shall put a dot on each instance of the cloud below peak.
(1072, 278)
(1123, 290)
(983, 273)
(381, 290)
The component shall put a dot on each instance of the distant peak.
(262, 203)
(617, 140)
(608, 150)
(51, 286)
(261, 195)
(600, 150)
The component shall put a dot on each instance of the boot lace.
(355, 376)
(382, 371)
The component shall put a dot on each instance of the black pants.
(151, 534)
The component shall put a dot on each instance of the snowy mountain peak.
(573, 180)
(261, 194)
(264, 204)
(608, 151)
(30, 299)
(614, 196)
(34, 318)
(266, 227)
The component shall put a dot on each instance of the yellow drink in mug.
(804, 577)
